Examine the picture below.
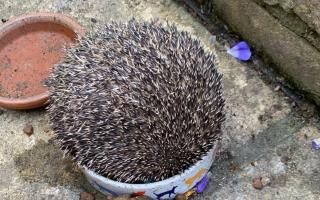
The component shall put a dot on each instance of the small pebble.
(4, 20)
(285, 159)
(257, 183)
(93, 20)
(86, 196)
(28, 129)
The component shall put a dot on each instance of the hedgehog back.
(136, 102)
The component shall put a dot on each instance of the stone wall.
(287, 32)
(300, 16)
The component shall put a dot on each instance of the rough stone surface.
(31, 168)
(307, 10)
(295, 58)
(302, 26)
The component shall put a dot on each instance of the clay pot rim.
(35, 17)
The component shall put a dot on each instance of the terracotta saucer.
(30, 45)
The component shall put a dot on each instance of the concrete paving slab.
(264, 136)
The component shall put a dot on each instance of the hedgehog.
(136, 101)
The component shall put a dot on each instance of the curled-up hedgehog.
(136, 102)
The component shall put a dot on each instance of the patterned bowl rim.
(209, 155)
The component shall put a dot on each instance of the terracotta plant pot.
(30, 45)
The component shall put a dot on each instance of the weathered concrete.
(294, 58)
(301, 18)
(261, 125)
(307, 10)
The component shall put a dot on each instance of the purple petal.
(241, 51)
(202, 184)
(316, 144)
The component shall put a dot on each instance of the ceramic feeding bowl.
(30, 45)
(166, 189)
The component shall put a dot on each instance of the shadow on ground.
(44, 162)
